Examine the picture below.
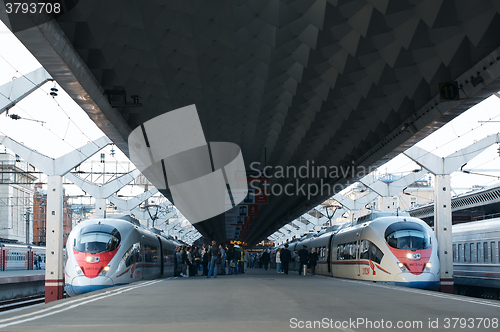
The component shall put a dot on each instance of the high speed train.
(476, 258)
(382, 247)
(117, 250)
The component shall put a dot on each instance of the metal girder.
(127, 205)
(60, 166)
(16, 90)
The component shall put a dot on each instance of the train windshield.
(96, 239)
(407, 236)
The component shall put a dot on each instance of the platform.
(256, 301)
(21, 283)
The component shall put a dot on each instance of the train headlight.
(402, 267)
(78, 270)
(105, 270)
(428, 266)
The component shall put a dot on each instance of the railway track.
(22, 302)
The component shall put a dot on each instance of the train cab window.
(133, 255)
(485, 252)
(97, 238)
(407, 236)
(363, 249)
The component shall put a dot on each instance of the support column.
(100, 207)
(54, 278)
(442, 228)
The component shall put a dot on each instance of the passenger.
(229, 258)
(303, 258)
(222, 259)
(241, 262)
(313, 259)
(204, 259)
(175, 261)
(178, 256)
(197, 261)
(214, 253)
(278, 260)
(236, 257)
(184, 261)
(265, 259)
(285, 256)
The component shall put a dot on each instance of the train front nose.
(425, 280)
(82, 284)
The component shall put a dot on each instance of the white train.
(476, 258)
(117, 250)
(380, 247)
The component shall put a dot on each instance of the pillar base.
(54, 290)
(447, 286)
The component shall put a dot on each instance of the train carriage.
(380, 247)
(117, 250)
(476, 258)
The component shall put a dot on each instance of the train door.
(328, 254)
(358, 247)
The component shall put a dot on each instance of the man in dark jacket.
(303, 258)
(214, 254)
(285, 258)
(265, 259)
(313, 258)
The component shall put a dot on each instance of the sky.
(66, 126)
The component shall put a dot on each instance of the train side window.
(454, 252)
(498, 246)
(485, 252)
(492, 252)
(466, 253)
(478, 252)
(459, 252)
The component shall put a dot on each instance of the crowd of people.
(212, 260)
(217, 259)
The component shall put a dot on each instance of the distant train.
(117, 250)
(476, 258)
(381, 247)
(20, 257)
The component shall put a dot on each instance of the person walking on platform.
(265, 259)
(285, 257)
(303, 258)
(222, 259)
(278, 260)
(313, 259)
(236, 257)
(214, 253)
